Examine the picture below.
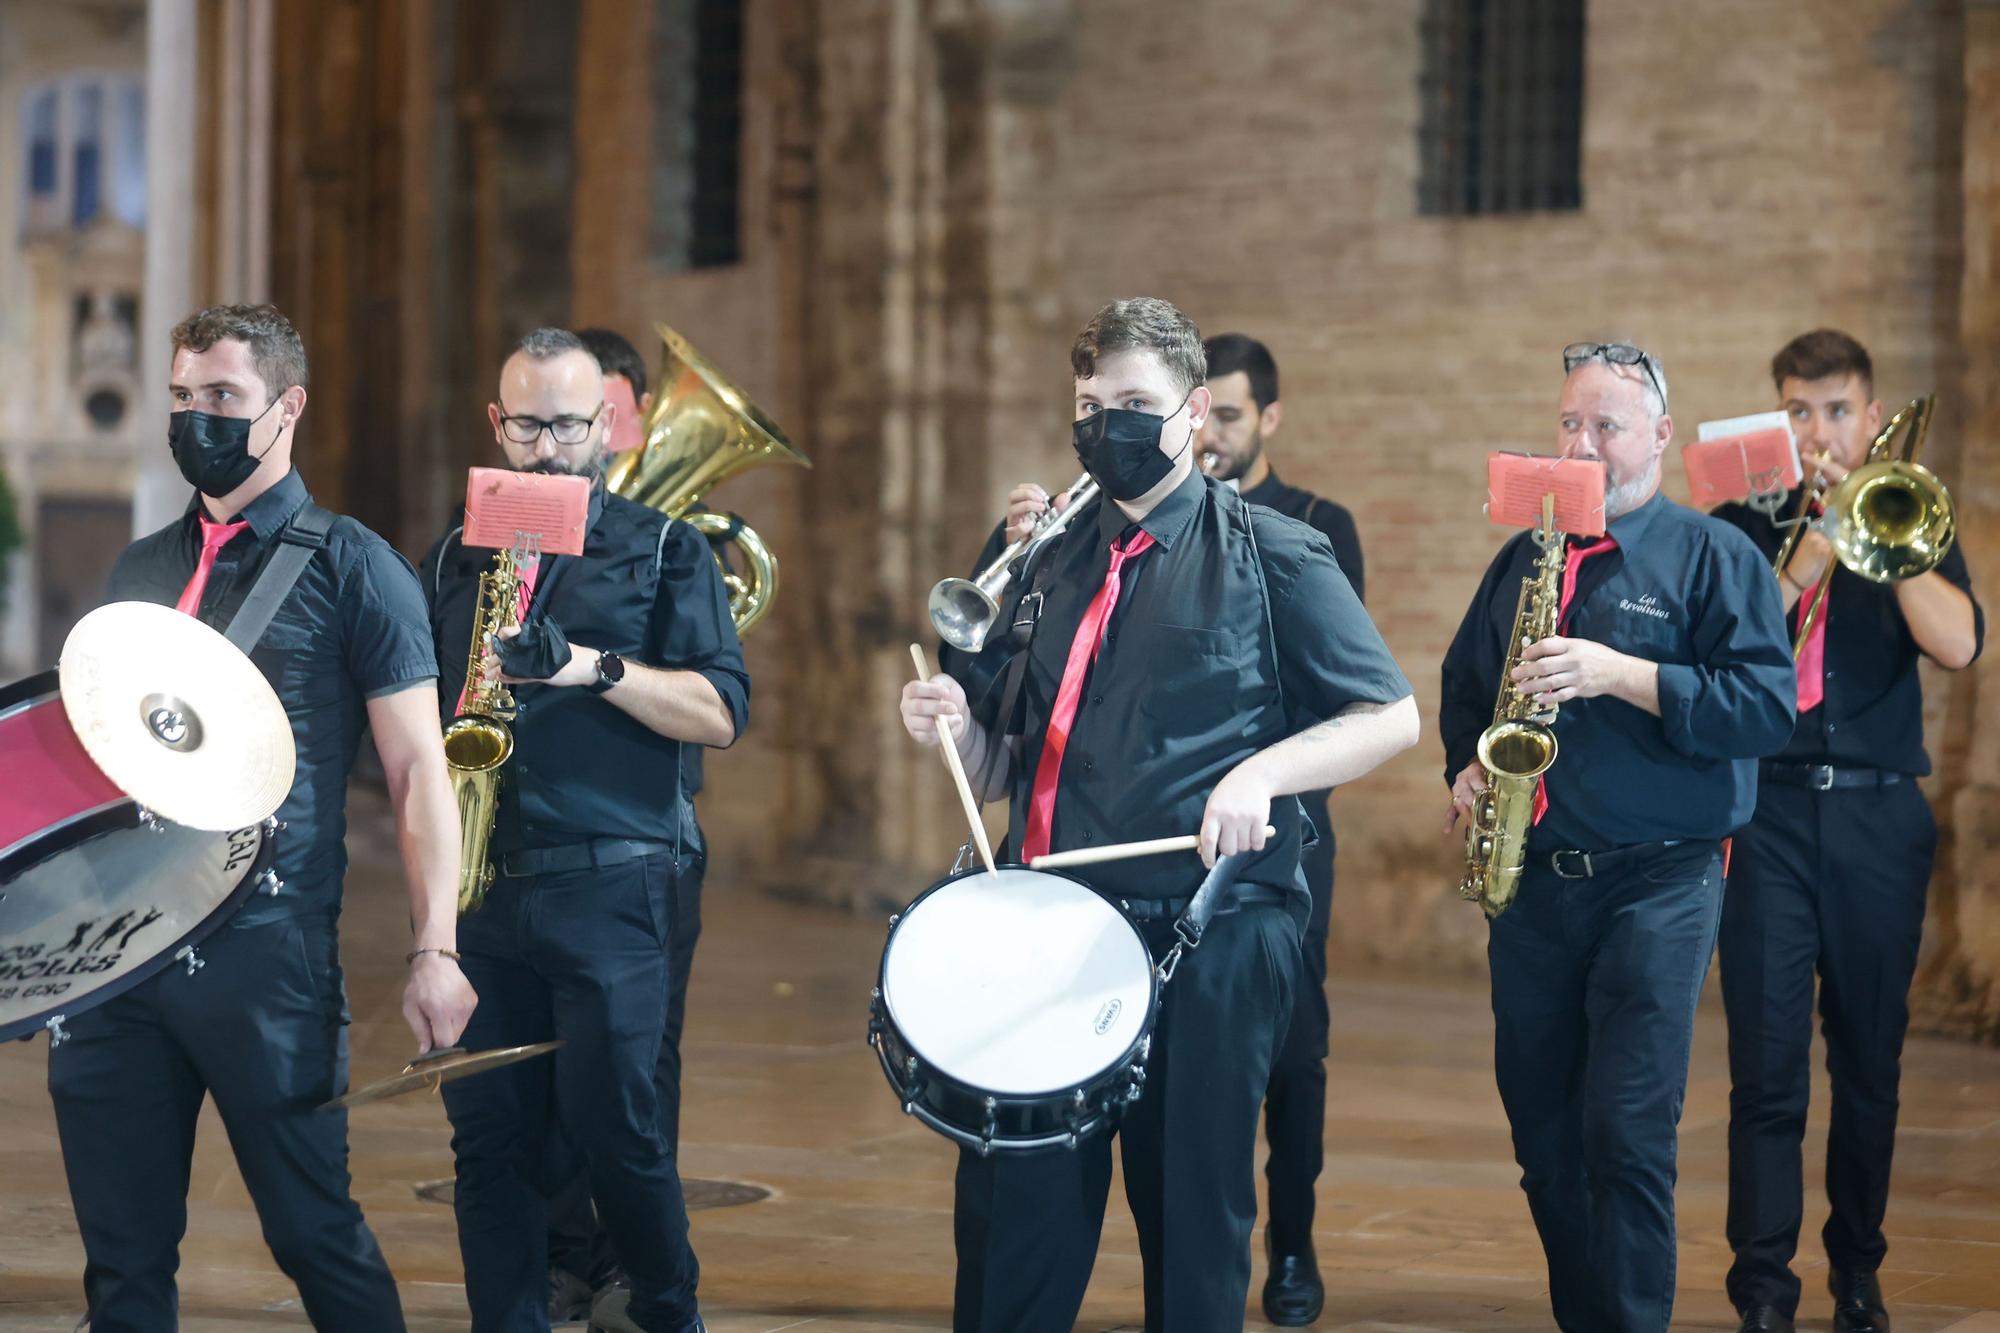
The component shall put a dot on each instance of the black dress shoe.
(1857, 1303)
(1764, 1319)
(1293, 1293)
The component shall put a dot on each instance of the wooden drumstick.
(1118, 851)
(951, 761)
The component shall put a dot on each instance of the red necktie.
(214, 536)
(1573, 560)
(1811, 665)
(1083, 650)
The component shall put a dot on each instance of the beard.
(591, 468)
(1231, 467)
(1622, 497)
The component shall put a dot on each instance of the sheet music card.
(501, 505)
(1516, 483)
(1742, 458)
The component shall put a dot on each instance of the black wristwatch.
(610, 670)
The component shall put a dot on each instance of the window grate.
(1502, 96)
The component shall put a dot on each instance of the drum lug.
(991, 1127)
(57, 1034)
(894, 917)
(149, 820)
(186, 955)
(269, 883)
(274, 825)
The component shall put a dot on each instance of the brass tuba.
(701, 431)
(478, 742)
(1520, 744)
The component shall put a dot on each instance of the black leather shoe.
(1764, 1319)
(569, 1297)
(1293, 1293)
(1857, 1303)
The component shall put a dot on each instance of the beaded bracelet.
(414, 954)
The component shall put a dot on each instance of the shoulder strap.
(298, 540)
(1020, 637)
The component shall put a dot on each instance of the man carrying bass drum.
(1197, 663)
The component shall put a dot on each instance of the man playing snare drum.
(1198, 662)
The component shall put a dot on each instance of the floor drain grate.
(700, 1193)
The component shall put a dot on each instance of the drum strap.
(1020, 637)
(1201, 909)
(297, 541)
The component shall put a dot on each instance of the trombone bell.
(1890, 521)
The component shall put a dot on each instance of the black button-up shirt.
(1332, 521)
(645, 588)
(1210, 656)
(1680, 589)
(352, 629)
(1873, 712)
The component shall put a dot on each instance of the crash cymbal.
(429, 1071)
(182, 721)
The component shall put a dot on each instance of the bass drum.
(96, 895)
(1014, 1012)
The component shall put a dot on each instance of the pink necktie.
(214, 536)
(1573, 560)
(1083, 650)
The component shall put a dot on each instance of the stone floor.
(1421, 1224)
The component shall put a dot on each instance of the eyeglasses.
(1617, 354)
(563, 430)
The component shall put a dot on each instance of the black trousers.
(1831, 883)
(580, 956)
(1594, 989)
(262, 1028)
(577, 1243)
(1295, 1101)
(1027, 1224)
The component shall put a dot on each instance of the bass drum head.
(1021, 985)
(91, 921)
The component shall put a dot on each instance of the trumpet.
(1888, 520)
(963, 610)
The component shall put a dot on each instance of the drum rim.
(126, 816)
(27, 691)
(1139, 1041)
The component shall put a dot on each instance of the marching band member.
(262, 1027)
(1830, 876)
(1244, 413)
(1198, 662)
(1672, 671)
(574, 939)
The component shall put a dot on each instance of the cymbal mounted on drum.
(145, 775)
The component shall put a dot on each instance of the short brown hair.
(1148, 324)
(275, 349)
(1819, 355)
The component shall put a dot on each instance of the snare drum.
(1016, 1011)
(96, 895)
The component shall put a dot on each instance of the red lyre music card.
(1516, 483)
(1740, 457)
(501, 506)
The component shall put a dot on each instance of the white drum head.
(1019, 985)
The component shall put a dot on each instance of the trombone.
(963, 610)
(1888, 520)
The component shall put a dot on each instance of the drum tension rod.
(57, 1035)
(186, 954)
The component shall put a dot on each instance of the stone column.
(608, 259)
(1958, 989)
(173, 32)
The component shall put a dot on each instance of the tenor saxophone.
(478, 741)
(1520, 744)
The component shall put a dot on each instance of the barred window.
(697, 133)
(1502, 97)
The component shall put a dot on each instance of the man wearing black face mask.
(627, 655)
(1198, 663)
(261, 1026)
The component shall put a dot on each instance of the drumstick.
(1118, 851)
(951, 761)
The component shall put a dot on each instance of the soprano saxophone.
(1520, 744)
(478, 742)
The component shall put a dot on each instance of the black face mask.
(213, 452)
(1120, 449)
